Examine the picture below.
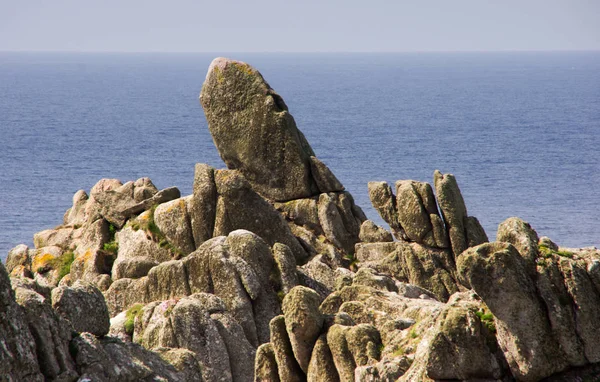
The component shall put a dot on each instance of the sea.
(519, 130)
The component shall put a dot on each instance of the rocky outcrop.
(270, 272)
(544, 300)
(429, 268)
(412, 213)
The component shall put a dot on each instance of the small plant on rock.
(130, 315)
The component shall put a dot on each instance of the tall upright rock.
(255, 134)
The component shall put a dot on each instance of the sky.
(298, 26)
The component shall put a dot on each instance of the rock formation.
(269, 271)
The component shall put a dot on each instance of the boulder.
(83, 306)
(203, 205)
(500, 275)
(265, 365)
(454, 211)
(173, 221)
(18, 357)
(384, 201)
(321, 367)
(520, 234)
(372, 233)
(303, 322)
(287, 365)
(18, 261)
(255, 133)
(413, 215)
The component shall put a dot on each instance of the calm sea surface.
(521, 131)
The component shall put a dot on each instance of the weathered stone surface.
(372, 233)
(499, 274)
(265, 365)
(187, 323)
(520, 234)
(241, 352)
(286, 265)
(112, 360)
(384, 201)
(143, 189)
(475, 233)
(303, 322)
(133, 268)
(173, 221)
(287, 366)
(454, 211)
(46, 265)
(83, 306)
(60, 237)
(561, 311)
(324, 178)
(51, 335)
(332, 224)
(460, 348)
(76, 214)
(162, 196)
(18, 257)
(586, 302)
(18, 358)
(342, 356)
(426, 267)
(303, 212)
(136, 243)
(440, 236)
(203, 205)
(412, 214)
(239, 207)
(321, 367)
(254, 132)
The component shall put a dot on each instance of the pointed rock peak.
(255, 134)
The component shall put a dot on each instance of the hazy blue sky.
(266, 25)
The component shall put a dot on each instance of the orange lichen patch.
(43, 262)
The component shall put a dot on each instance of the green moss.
(398, 352)
(548, 252)
(280, 295)
(111, 247)
(63, 264)
(413, 333)
(487, 319)
(130, 315)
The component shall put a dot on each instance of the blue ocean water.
(521, 131)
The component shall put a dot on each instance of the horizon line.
(306, 52)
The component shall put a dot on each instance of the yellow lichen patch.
(43, 262)
(243, 67)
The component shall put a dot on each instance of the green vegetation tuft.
(280, 296)
(63, 264)
(413, 333)
(548, 252)
(111, 247)
(487, 319)
(398, 352)
(130, 315)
